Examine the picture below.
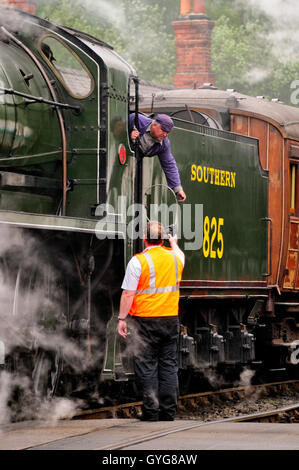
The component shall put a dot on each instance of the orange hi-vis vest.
(157, 293)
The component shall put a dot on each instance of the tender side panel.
(271, 148)
(260, 130)
(276, 198)
(224, 234)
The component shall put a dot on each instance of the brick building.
(26, 5)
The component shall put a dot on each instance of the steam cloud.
(112, 13)
(33, 319)
(285, 18)
(29, 297)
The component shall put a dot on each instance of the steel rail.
(129, 410)
(158, 434)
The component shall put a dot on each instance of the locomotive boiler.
(70, 189)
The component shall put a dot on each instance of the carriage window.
(195, 116)
(294, 190)
(67, 66)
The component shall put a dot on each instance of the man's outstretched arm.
(171, 171)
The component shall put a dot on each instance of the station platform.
(131, 434)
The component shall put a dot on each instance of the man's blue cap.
(165, 121)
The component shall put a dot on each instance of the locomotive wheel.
(46, 373)
(185, 381)
(32, 316)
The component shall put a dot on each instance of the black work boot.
(147, 417)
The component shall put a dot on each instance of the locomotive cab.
(64, 114)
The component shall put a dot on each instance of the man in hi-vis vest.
(151, 296)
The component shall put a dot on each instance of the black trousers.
(156, 364)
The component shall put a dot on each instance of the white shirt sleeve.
(132, 276)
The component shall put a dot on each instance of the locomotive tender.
(276, 127)
(70, 186)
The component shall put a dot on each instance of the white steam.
(110, 12)
(58, 408)
(284, 16)
(245, 379)
(256, 75)
(32, 328)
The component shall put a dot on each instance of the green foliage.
(238, 12)
(243, 52)
(136, 29)
(237, 49)
(278, 82)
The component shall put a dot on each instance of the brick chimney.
(193, 32)
(25, 5)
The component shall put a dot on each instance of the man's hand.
(126, 302)
(173, 240)
(134, 134)
(181, 196)
(122, 328)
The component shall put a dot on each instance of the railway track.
(128, 434)
(195, 402)
(284, 414)
(276, 415)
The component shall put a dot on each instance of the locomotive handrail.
(215, 132)
(268, 219)
(139, 169)
(173, 227)
(35, 99)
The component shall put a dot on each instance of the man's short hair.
(154, 232)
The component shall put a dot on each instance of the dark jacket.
(162, 150)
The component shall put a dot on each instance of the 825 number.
(212, 229)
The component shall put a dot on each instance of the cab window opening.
(67, 66)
